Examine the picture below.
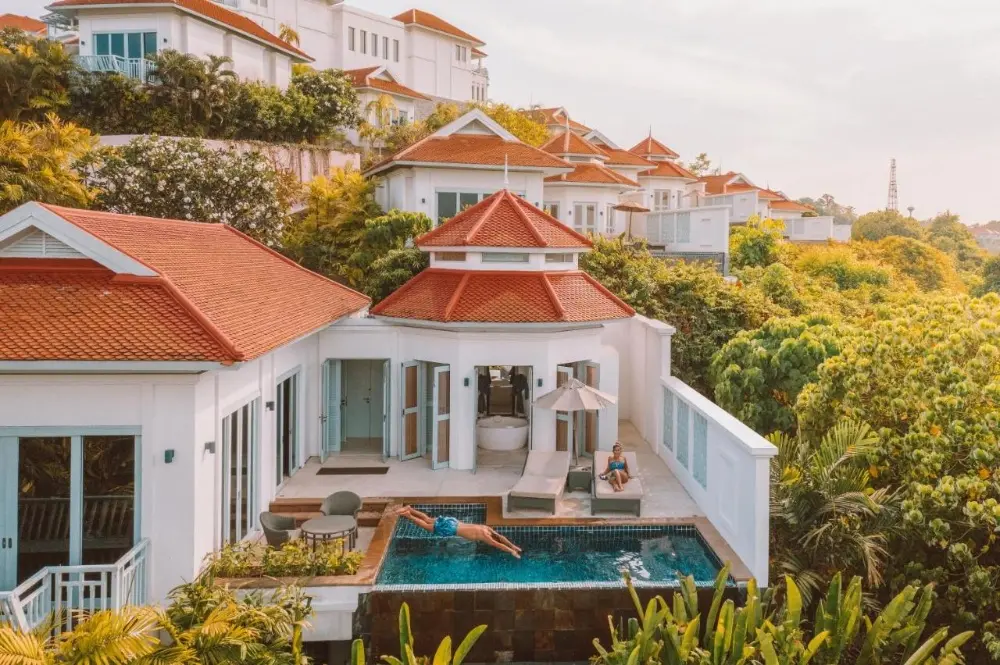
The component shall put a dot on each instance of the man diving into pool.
(448, 527)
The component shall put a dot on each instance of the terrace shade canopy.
(630, 208)
(575, 395)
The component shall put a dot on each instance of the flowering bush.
(185, 179)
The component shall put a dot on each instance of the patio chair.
(542, 481)
(605, 498)
(278, 529)
(341, 503)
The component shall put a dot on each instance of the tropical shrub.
(883, 223)
(36, 163)
(757, 375)
(756, 243)
(764, 631)
(519, 122)
(929, 268)
(392, 231)
(390, 271)
(842, 267)
(627, 269)
(185, 179)
(34, 76)
(443, 655)
(926, 378)
(991, 275)
(777, 282)
(296, 558)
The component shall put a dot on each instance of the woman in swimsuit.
(449, 527)
(617, 471)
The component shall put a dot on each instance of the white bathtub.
(502, 433)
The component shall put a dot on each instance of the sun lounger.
(542, 482)
(605, 498)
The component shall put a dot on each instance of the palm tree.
(378, 114)
(198, 89)
(287, 33)
(825, 516)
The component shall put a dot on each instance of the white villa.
(161, 381)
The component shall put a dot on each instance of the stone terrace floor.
(663, 495)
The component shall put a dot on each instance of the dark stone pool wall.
(524, 625)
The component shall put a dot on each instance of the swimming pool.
(553, 556)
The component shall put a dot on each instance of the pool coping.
(374, 556)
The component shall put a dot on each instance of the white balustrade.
(137, 68)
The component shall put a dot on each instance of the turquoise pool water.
(570, 555)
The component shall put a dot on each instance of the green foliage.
(443, 655)
(884, 223)
(763, 631)
(327, 234)
(826, 205)
(389, 272)
(759, 373)
(34, 77)
(756, 243)
(519, 122)
(701, 165)
(391, 231)
(929, 268)
(991, 275)
(185, 179)
(296, 558)
(842, 266)
(951, 236)
(777, 282)
(36, 163)
(925, 378)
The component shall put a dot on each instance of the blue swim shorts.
(445, 527)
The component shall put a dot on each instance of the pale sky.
(806, 96)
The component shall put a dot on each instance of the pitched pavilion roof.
(217, 296)
(571, 143)
(473, 149)
(650, 146)
(26, 23)
(503, 220)
(790, 206)
(478, 53)
(557, 116)
(479, 296)
(432, 22)
(592, 173)
(718, 183)
(667, 169)
(206, 9)
(619, 157)
(368, 78)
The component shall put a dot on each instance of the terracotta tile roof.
(503, 220)
(714, 184)
(571, 143)
(619, 157)
(479, 296)
(771, 195)
(555, 116)
(668, 170)
(790, 206)
(428, 20)
(84, 312)
(362, 78)
(473, 149)
(26, 23)
(592, 173)
(205, 8)
(650, 146)
(477, 53)
(251, 297)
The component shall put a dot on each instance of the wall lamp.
(210, 447)
(539, 383)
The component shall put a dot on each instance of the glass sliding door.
(44, 513)
(240, 473)
(109, 482)
(287, 441)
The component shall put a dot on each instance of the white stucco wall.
(566, 196)
(166, 24)
(415, 188)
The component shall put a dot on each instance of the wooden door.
(410, 386)
(591, 376)
(564, 419)
(8, 512)
(441, 420)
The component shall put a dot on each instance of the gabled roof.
(505, 297)
(571, 143)
(723, 183)
(557, 115)
(473, 139)
(595, 174)
(619, 157)
(789, 206)
(503, 220)
(26, 23)
(432, 22)
(177, 290)
(666, 169)
(381, 79)
(477, 53)
(650, 146)
(204, 9)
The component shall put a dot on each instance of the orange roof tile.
(472, 149)
(251, 297)
(668, 170)
(26, 23)
(479, 296)
(592, 173)
(555, 116)
(503, 220)
(619, 157)
(81, 311)
(571, 143)
(362, 78)
(650, 146)
(212, 11)
(790, 206)
(715, 183)
(477, 53)
(432, 22)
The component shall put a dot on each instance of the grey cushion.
(603, 489)
(544, 475)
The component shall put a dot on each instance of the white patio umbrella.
(575, 395)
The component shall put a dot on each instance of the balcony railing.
(137, 68)
(743, 205)
(69, 593)
(697, 230)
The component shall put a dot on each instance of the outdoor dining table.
(329, 527)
